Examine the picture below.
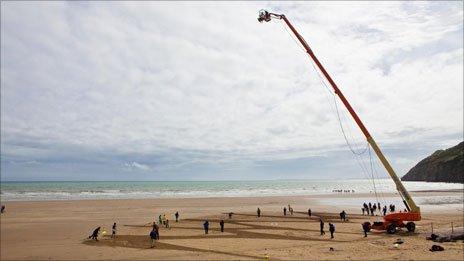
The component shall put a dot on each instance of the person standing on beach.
(384, 210)
(362, 210)
(113, 230)
(332, 230)
(3, 209)
(222, 225)
(167, 223)
(372, 211)
(160, 220)
(285, 211)
(365, 226)
(95, 234)
(258, 212)
(156, 228)
(153, 237)
(378, 206)
(343, 216)
(177, 216)
(206, 226)
(321, 224)
(309, 212)
(291, 211)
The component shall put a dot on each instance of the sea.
(82, 190)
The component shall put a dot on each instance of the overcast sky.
(202, 91)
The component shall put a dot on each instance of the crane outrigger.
(391, 221)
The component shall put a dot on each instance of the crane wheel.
(391, 229)
(411, 226)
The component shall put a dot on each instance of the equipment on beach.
(391, 221)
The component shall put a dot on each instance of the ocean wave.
(134, 190)
(443, 200)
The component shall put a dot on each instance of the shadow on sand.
(243, 231)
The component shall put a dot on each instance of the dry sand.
(58, 230)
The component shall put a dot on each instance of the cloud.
(136, 166)
(203, 87)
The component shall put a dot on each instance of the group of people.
(154, 233)
(290, 209)
(321, 222)
(331, 228)
(96, 232)
(371, 208)
(163, 220)
(343, 190)
(206, 225)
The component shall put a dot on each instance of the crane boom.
(407, 200)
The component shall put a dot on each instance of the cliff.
(442, 166)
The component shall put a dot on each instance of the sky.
(202, 91)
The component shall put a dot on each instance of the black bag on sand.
(436, 248)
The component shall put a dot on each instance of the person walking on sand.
(321, 224)
(156, 228)
(177, 216)
(332, 230)
(160, 220)
(153, 237)
(206, 226)
(285, 211)
(95, 234)
(222, 225)
(291, 211)
(365, 227)
(309, 212)
(343, 216)
(258, 212)
(167, 223)
(113, 230)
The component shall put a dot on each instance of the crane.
(391, 221)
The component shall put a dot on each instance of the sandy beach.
(58, 230)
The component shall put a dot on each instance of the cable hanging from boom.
(367, 174)
(335, 102)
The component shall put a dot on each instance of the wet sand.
(59, 230)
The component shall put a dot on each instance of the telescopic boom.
(265, 16)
